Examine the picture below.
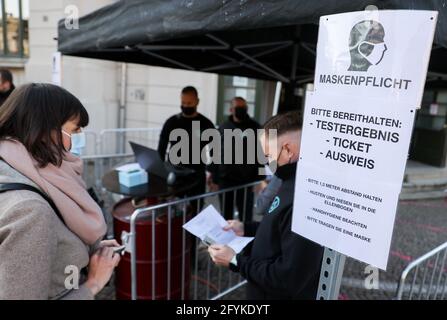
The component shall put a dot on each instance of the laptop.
(149, 159)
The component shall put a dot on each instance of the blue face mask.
(78, 142)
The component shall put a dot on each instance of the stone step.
(415, 174)
(425, 184)
(427, 175)
(422, 195)
(424, 189)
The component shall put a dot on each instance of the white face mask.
(376, 54)
(78, 141)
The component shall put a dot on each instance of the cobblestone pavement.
(420, 226)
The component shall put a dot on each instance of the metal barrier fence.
(116, 141)
(110, 147)
(205, 275)
(92, 139)
(95, 166)
(113, 149)
(429, 277)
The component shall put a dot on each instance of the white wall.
(93, 82)
(153, 94)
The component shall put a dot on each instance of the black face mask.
(240, 113)
(188, 111)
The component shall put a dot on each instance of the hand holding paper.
(209, 225)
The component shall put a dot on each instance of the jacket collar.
(286, 171)
(242, 123)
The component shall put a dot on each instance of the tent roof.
(264, 39)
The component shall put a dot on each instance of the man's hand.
(236, 226)
(221, 254)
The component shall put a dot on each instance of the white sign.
(208, 226)
(56, 68)
(353, 154)
(369, 79)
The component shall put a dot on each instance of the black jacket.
(238, 173)
(178, 121)
(280, 264)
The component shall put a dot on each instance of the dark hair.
(190, 90)
(34, 115)
(5, 75)
(284, 122)
(240, 99)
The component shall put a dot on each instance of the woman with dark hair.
(48, 236)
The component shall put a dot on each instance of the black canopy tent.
(263, 39)
(272, 40)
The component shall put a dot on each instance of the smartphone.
(119, 250)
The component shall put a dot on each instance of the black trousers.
(195, 206)
(242, 199)
(198, 189)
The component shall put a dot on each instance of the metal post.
(277, 97)
(121, 147)
(169, 251)
(153, 255)
(133, 255)
(331, 274)
(183, 251)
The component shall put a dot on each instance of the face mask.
(188, 111)
(274, 163)
(240, 113)
(376, 54)
(78, 141)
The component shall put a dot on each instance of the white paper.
(208, 226)
(56, 70)
(129, 167)
(341, 204)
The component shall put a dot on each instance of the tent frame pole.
(255, 65)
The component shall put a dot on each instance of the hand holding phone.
(119, 250)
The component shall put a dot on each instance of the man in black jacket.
(194, 124)
(279, 264)
(242, 169)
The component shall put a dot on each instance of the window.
(233, 86)
(14, 28)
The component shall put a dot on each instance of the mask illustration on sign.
(366, 45)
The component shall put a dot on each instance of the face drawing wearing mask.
(366, 45)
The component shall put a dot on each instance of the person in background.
(278, 264)
(6, 84)
(56, 224)
(234, 174)
(184, 120)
